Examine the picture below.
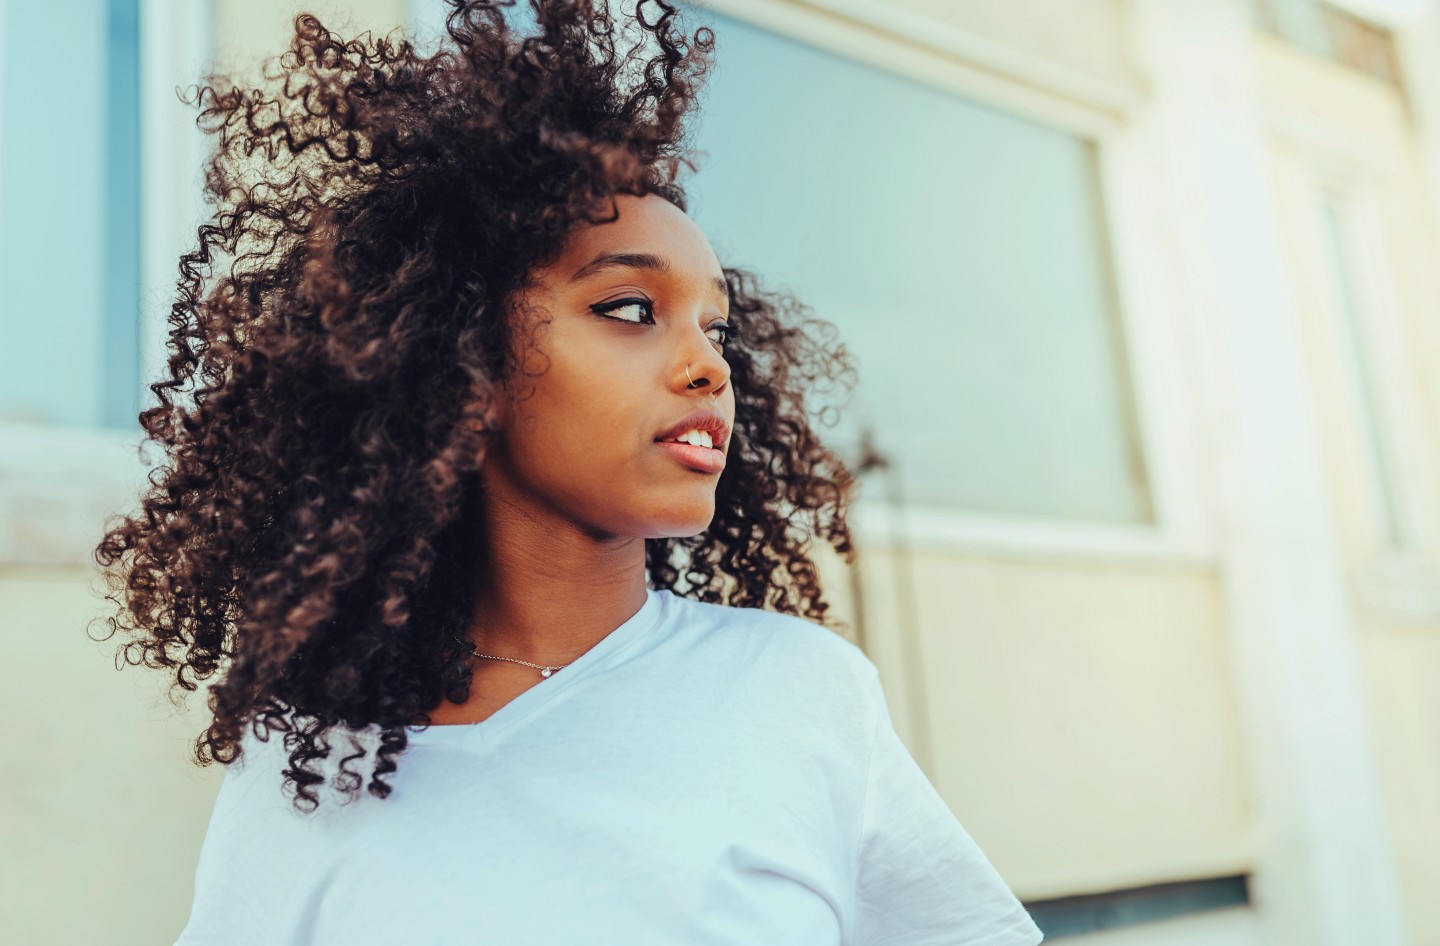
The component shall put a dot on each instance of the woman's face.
(611, 327)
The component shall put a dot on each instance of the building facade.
(1144, 302)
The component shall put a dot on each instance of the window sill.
(938, 529)
(57, 487)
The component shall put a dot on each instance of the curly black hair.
(329, 393)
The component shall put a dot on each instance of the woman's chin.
(681, 522)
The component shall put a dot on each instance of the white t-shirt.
(702, 775)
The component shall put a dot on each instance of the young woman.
(486, 519)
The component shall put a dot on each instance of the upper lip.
(699, 420)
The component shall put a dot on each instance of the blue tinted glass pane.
(69, 213)
(962, 253)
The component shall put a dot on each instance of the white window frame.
(58, 482)
(1144, 273)
(1405, 582)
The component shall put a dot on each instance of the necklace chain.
(545, 669)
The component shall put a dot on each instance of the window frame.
(58, 482)
(1165, 415)
(1397, 581)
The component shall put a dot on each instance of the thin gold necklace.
(545, 669)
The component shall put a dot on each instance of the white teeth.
(698, 438)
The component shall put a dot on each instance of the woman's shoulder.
(786, 643)
(258, 793)
(262, 856)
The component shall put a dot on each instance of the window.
(69, 230)
(962, 252)
(1327, 30)
(1362, 370)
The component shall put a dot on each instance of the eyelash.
(731, 332)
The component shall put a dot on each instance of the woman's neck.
(547, 589)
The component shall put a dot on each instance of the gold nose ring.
(692, 382)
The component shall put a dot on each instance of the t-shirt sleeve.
(260, 863)
(220, 912)
(922, 880)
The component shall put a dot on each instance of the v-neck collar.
(602, 653)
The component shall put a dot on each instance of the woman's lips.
(704, 459)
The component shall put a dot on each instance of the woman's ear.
(487, 408)
(494, 415)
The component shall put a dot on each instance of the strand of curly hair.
(333, 352)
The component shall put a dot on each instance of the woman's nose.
(708, 370)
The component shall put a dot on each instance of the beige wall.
(1080, 717)
(1324, 114)
(101, 813)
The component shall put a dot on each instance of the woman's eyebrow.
(637, 261)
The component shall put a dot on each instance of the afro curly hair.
(330, 392)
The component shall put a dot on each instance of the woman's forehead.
(649, 226)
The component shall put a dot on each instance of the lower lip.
(704, 459)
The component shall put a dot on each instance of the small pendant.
(546, 672)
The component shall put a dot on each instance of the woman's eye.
(726, 330)
(622, 306)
